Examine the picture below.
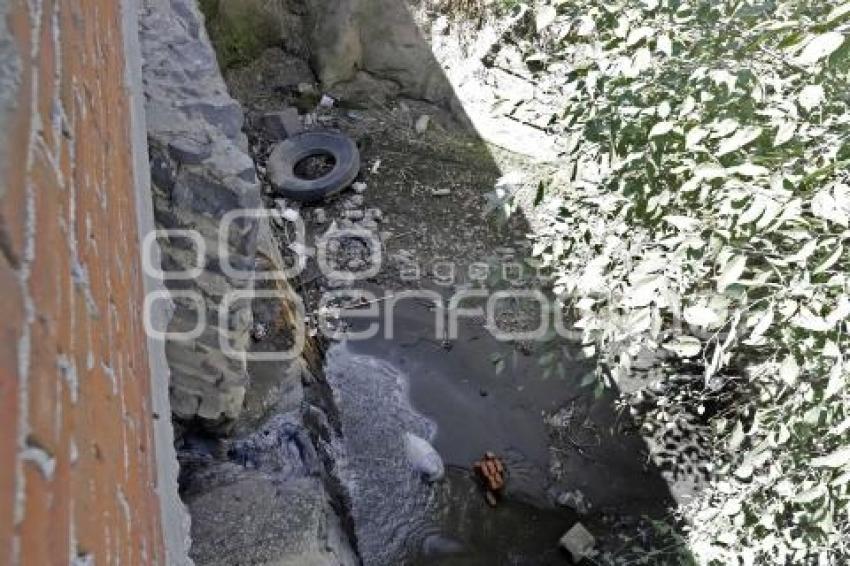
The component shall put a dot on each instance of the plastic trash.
(423, 457)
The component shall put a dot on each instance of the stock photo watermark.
(376, 313)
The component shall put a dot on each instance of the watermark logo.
(228, 271)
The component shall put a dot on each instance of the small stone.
(188, 151)
(281, 125)
(291, 214)
(578, 542)
(327, 101)
(359, 188)
(440, 192)
(320, 216)
(574, 500)
(307, 88)
(421, 125)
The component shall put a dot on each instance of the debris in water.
(574, 500)
(423, 457)
(491, 471)
(578, 542)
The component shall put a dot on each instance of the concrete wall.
(78, 453)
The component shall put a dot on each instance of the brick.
(88, 388)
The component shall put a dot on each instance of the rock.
(356, 264)
(421, 125)
(440, 192)
(327, 101)
(320, 216)
(356, 200)
(359, 188)
(423, 458)
(281, 125)
(440, 545)
(354, 214)
(290, 214)
(574, 500)
(308, 88)
(188, 151)
(578, 542)
(379, 37)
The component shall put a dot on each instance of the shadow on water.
(450, 393)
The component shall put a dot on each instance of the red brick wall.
(76, 451)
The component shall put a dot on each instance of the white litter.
(291, 214)
(423, 457)
(578, 542)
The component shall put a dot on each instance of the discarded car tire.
(288, 153)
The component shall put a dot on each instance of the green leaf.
(541, 193)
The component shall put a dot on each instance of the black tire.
(288, 153)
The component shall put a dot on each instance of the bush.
(703, 209)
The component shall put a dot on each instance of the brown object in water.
(490, 470)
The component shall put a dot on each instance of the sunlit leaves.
(819, 47)
(707, 214)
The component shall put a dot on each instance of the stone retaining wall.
(200, 170)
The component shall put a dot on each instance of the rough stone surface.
(376, 36)
(267, 522)
(264, 493)
(200, 172)
(477, 68)
(281, 125)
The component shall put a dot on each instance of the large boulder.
(378, 37)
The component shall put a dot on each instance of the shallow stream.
(451, 395)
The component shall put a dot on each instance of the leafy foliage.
(703, 210)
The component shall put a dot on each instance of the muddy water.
(451, 395)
